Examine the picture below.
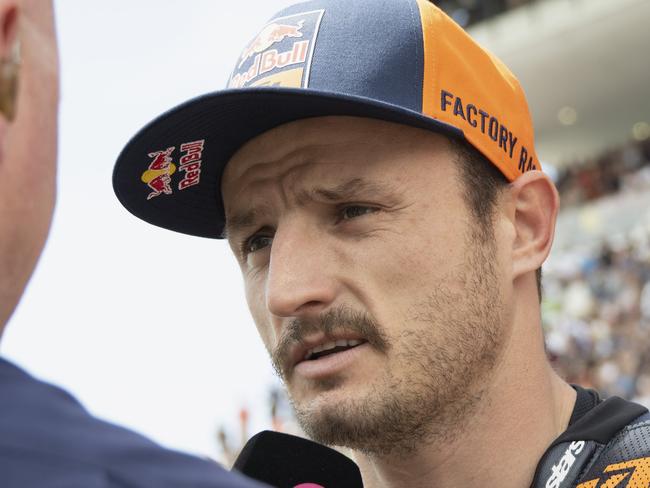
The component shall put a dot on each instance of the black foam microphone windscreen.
(287, 461)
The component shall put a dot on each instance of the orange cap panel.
(467, 87)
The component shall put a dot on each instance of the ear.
(9, 62)
(8, 27)
(535, 204)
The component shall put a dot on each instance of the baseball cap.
(402, 61)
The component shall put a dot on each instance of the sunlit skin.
(28, 147)
(362, 215)
(350, 251)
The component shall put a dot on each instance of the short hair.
(483, 182)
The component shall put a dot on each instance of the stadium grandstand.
(468, 12)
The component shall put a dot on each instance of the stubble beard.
(447, 353)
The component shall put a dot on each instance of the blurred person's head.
(28, 141)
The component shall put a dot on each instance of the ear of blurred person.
(29, 94)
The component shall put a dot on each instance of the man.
(374, 172)
(46, 438)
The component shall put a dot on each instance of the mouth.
(330, 358)
(324, 355)
(331, 347)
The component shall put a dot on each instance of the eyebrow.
(238, 222)
(344, 191)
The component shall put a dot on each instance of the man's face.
(381, 311)
(28, 153)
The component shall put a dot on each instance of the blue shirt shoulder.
(47, 439)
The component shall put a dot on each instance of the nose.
(301, 279)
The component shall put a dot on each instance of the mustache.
(340, 319)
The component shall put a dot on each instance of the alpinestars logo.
(560, 470)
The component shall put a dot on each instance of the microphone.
(287, 461)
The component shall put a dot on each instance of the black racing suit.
(607, 445)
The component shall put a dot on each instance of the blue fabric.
(387, 60)
(48, 440)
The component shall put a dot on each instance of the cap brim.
(226, 120)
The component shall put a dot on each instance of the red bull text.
(271, 60)
(191, 163)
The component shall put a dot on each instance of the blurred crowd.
(626, 168)
(596, 316)
(596, 309)
(596, 305)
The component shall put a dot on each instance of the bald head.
(27, 141)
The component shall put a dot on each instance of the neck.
(524, 409)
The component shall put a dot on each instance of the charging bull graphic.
(270, 35)
(158, 176)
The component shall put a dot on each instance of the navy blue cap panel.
(378, 43)
(222, 122)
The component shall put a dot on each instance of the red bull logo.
(158, 176)
(281, 53)
(270, 35)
